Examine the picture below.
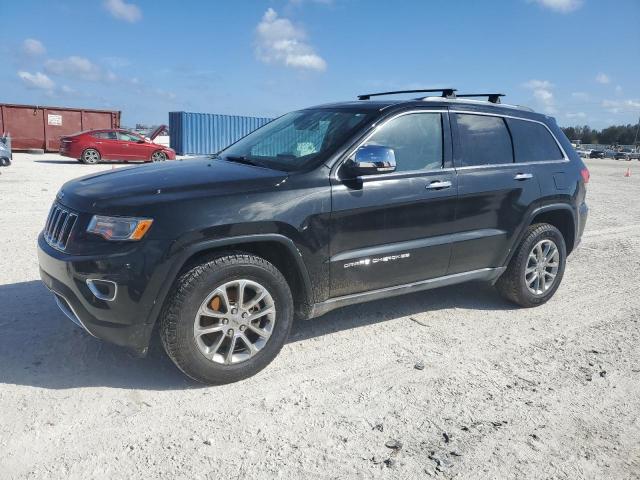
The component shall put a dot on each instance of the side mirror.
(371, 160)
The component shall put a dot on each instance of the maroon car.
(115, 145)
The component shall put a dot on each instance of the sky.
(577, 60)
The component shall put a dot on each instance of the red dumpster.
(34, 126)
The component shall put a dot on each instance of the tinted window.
(485, 140)
(532, 142)
(128, 137)
(416, 140)
(105, 135)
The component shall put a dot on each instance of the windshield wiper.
(242, 159)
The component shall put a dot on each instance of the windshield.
(298, 139)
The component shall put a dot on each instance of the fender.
(185, 254)
(530, 216)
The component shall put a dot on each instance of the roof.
(466, 103)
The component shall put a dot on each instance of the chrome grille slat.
(59, 226)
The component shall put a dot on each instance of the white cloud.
(36, 80)
(562, 6)
(281, 42)
(78, 67)
(576, 115)
(33, 47)
(122, 10)
(603, 78)
(542, 92)
(580, 95)
(533, 84)
(618, 106)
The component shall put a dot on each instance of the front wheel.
(158, 157)
(227, 319)
(537, 267)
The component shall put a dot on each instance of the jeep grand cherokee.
(323, 207)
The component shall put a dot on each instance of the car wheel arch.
(560, 215)
(281, 251)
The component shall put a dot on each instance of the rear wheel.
(90, 155)
(537, 267)
(4, 162)
(227, 319)
(158, 157)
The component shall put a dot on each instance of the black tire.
(5, 162)
(193, 287)
(91, 156)
(512, 285)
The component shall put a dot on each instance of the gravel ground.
(550, 392)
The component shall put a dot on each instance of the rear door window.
(484, 140)
(532, 142)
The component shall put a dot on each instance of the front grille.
(59, 226)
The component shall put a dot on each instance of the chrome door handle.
(523, 176)
(438, 185)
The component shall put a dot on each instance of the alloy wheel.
(542, 267)
(234, 322)
(158, 157)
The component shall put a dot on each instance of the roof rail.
(446, 93)
(492, 97)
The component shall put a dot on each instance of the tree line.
(613, 135)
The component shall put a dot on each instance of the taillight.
(585, 175)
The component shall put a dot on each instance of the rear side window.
(532, 142)
(485, 140)
(416, 140)
(105, 135)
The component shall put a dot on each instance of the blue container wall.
(203, 133)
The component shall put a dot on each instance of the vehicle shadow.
(64, 162)
(40, 347)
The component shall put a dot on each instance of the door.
(107, 144)
(133, 147)
(390, 229)
(494, 192)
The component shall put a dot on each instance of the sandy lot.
(551, 392)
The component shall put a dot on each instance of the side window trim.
(456, 139)
(447, 153)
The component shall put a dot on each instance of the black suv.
(321, 208)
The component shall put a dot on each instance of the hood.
(129, 189)
(157, 131)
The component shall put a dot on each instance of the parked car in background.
(596, 154)
(5, 154)
(621, 156)
(609, 153)
(116, 145)
(583, 153)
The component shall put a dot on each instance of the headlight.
(119, 228)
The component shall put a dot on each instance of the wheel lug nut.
(243, 328)
(234, 311)
(245, 315)
(225, 321)
(230, 332)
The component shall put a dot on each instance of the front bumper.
(127, 319)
